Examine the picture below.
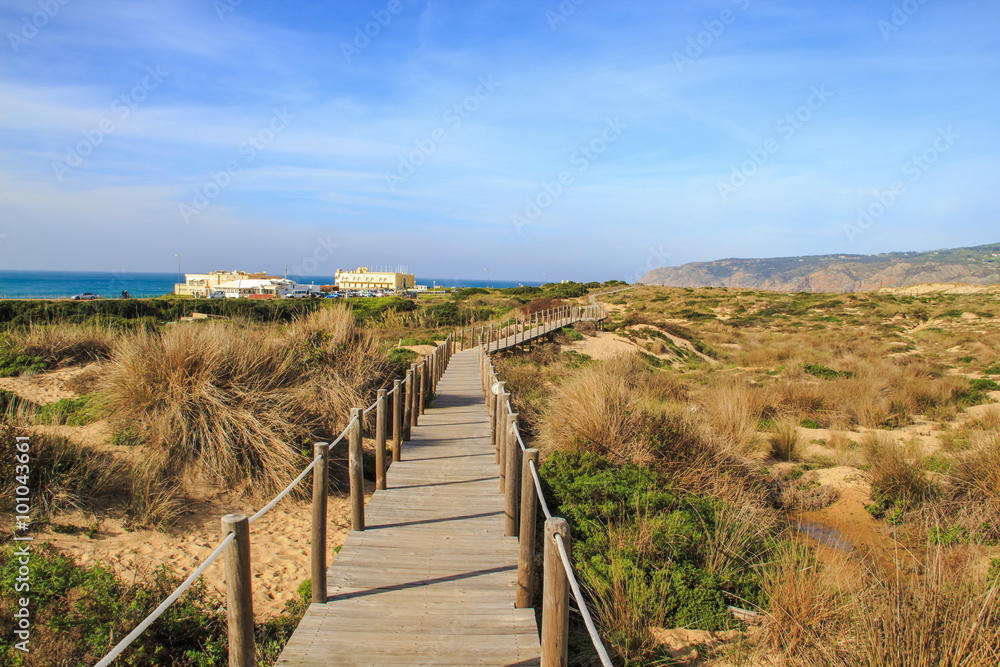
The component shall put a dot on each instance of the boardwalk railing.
(522, 488)
(524, 328)
(393, 419)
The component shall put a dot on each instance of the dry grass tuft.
(945, 616)
(785, 442)
(63, 344)
(894, 480)
(605, 410)
(232, 404)
(66, 476)
(735, 408)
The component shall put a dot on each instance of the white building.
(362, 278)
(202, 284)
(275, 287)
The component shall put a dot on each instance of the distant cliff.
(838, 273)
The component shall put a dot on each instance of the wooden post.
(380, 420)
(526, 531)
(407, 388)
(422, 388)
(321, 477)
(239, 596)
(356, 472)
(503, 437)
(414, 392)
(555, 597)
(512, 499)
(498, 426)
(432, 369)
(397, 421)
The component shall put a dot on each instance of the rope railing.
(409, 397)
(521, 484)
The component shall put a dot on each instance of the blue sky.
(542, 140)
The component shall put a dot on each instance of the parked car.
(86, 296)
(217, 295)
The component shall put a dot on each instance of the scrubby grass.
(63, 476)
(897, 484)
(948, 616)
(70, 411)
(60, 344)
(785, 441)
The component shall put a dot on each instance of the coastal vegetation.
(816, 472)
(791, 479)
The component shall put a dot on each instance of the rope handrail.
(581, 603)
(156, 613)
(538, 488)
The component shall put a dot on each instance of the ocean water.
(62, 284)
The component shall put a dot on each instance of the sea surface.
(62, 284)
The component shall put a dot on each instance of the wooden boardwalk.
(432, 579)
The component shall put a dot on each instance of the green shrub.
(400, 358)
(809, 423)
(985, 385)
(571, 334)
(11, 364)
(643, 549)
(825, 373)
(976, 393)
(466, 292)
(69, 411)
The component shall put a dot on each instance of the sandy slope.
(279, 546)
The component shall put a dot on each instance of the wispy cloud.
(356, 119)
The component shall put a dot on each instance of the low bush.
(651, 555)
(19, 364)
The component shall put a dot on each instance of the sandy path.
(43, 388)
